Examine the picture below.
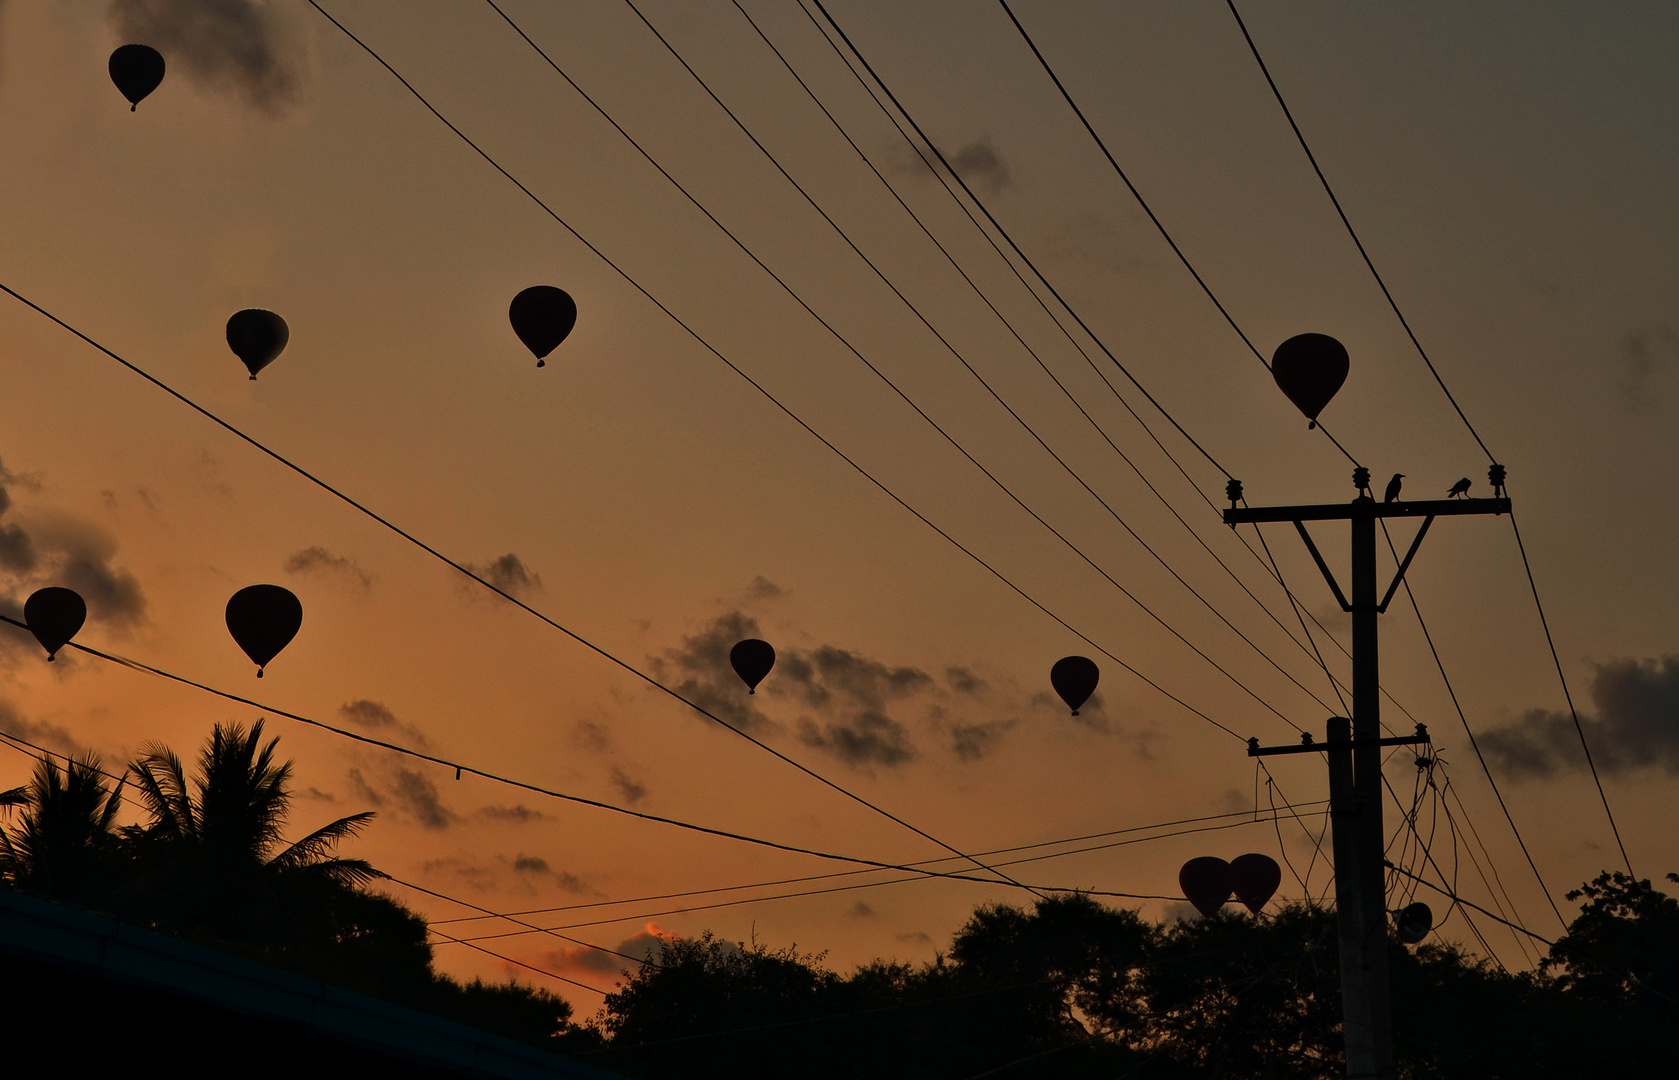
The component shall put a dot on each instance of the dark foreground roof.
(81, 991)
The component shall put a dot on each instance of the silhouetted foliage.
(210, 865)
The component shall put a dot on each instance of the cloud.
(632, 791)
(374, 716)
(970, 742)
(860, 710)
(868, 738)
(581, 959)
(509, 574)
(406, 791)
(57, 549)
(700, 669)
(517, 814)
(1636, 726)
(221, 45)
(916, 937)
(321, 561)
(762, 588)
(39, 732)
(588, 735)
(523, 872)
(979, 164)
(1645, 355)
(860, 910)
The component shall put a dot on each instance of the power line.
(1365, 255)
(1004, 233)
(1158, 224)
(1473, 744)
(640, 916)
(703, 343)
(1432, 370)
(882, 376)
(1469, 904)
(463, 768)
(867, 870)
(1579, 729)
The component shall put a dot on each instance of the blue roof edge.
(53, 933)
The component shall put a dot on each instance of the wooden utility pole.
(1355, 755)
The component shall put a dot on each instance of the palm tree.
(65, 846)
(213, 865)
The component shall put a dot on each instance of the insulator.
(1361, 478)
(1233, 491)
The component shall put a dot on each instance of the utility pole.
(1354, 752)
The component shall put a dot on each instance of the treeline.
(208, 864)
(1067, 988)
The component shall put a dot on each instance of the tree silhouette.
(64, 847)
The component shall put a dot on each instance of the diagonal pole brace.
(1406, 565)
(1323, 566)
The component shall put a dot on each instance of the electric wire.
(463, 768)
(884, 378)
(1004, 233)
(1432, 370)
(868, 870)
(940, 175)
(1473, 744)
(1143, 203)
(642, 916)
(1015, 333)
(1568, 696)
(1351, 232)
(1470, 904)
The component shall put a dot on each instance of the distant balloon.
(1074, 678)
(1414, 923)
(1310, 368)
(257, 337)
(1207, 883)
(263, 619)
(54, 615)
(752, 660)
(1254, 879)
(136, 69)
(542, 316)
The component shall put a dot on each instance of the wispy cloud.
(510, 574)
(224, 46)
(1636, 726)
(318, 560)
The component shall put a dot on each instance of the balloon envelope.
(542, 316)
(1310, 368)
(1254, 878)
(136, 69)
(1414, 923)
(1074, 678)
(54, 615)
(257, 337)
(752, 660)
(263, 619)
(1206, 883)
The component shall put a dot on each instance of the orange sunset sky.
(1511, 168)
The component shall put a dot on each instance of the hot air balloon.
(1310, 368)
(257, 337)
(263, 619)
(1074, 678)
(542, 316)
(752, 660)
(1414, 923)
(54, 615)
(1254, 878)
(136, 69)
(1207, 883)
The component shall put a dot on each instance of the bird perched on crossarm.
(1459, 488)
(1393, 488)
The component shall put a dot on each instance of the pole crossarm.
(1365, 508)
(1307, 746)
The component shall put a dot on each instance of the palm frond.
(162, 783)
(348, 872)
(313, 849)
(18, 796)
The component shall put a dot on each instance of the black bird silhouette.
(1459, 488)
(1393, 487)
